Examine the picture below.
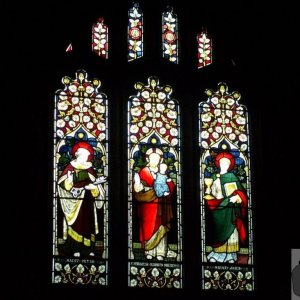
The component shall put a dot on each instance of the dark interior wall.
(246, 56)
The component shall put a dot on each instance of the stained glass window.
(69, 48)
(204, 50)
(135, 32)
(170, 35)
(100, 38)
(80, 190)
(154, 188)
(225, 190)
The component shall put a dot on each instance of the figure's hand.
(169, 180)
(90, 187)
(70, 175)
(235, 199)
(100, 179)
(138, 186)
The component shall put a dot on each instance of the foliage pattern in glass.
(154, 188)
(135, 33)
(80, 189)
(204, 53)
(170, 35)
(100, 38)
(225, 191)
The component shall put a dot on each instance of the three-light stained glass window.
(170, 35)
(100, 38)
(135, 33)
(225, 192)
(80, 190)
(154, 188)
(204, 53)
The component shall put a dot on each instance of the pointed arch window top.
(100, 38)
(135, 32)
(170, 35)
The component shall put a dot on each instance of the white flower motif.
(159, 124)
(160, 106)
(228, 129)
(75, 118)
(155, 284)
(135, 13)
(228, 275)
(161, 96)
(85, 109)
(101, 269)
(143, 271)
(205, 117)
(145, 94)
(86, 118)
(204, 134)
(67, 118)
(240, 275)
(135, 45)
(169, 18)
(176, 284)
(228, 287)
(147, 106)
(148, 123)
(102, 136)
(243, 137)
(248, 287)
(87, 101)
(63, 96)
(136, 111)
(89, 125)
(80, 269)
(167, 272)
(145, 129)
(133, 139)
(248, 275)
(133, 270)
(232, 136)
(134, 129)
(217, 112)
(176, 272)
(75, 100)
(89, 89)
(73, 88)
(228, 113)
(140, 124)
(57, 279)
(62, 105)
(205, 107)
(67, 268)
(174, 142)
(77, 108)
(172, 114)
(99, 108)
(219, 129)
(241, 120)
(157, 114)
(243, 147)
(204, 53)
(101, 126)
(150, 114)
(58, 267)
(170, 49)
(226, 121)
(215, 135)
(174, 132)
(102, 281)
(207, 273)
(155, 272)
(133, 282)
(230, 101)
(60, 133)
(207, 285)
(215, 100)
(60, 123)
(162, 130)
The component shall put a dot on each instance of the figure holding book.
(227, 201)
